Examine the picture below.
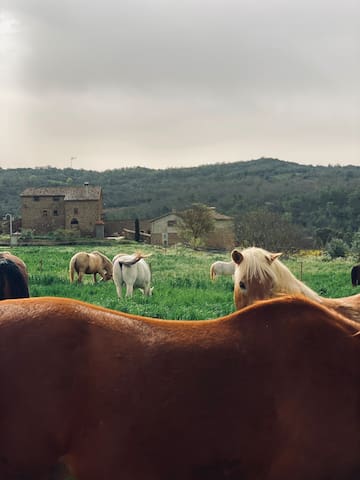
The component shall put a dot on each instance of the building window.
(171, 223)
(56, 199)
(45, 212)
(36, 199)
(76, 211)
(56, 213)
(74, 223)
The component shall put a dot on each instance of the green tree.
(269, 230)
(196, 223)
(355, 245)
(137, 230)
(337, 248)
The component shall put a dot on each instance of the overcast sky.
(102, 84)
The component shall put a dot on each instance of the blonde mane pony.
(90, 263)
(257, 263)
(260, 275)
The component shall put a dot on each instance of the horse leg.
(95, 278)
(129, 289)
(118, 290)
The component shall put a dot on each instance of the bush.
(355, 246)
(26, 234)
(336, 248)
(62, 235)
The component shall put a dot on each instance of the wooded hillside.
(311, 197)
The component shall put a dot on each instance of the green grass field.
(182, 285)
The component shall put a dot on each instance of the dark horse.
(355, 275)
(13, 283)
(271, 392)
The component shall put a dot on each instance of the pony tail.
(212, 272)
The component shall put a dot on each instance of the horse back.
(122, 396)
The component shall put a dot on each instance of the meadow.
(180, 277)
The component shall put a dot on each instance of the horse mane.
(105, 259)
(263, 265)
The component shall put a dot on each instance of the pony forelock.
(261, 265)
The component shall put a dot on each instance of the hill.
(313, 197)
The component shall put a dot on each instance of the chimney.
(86, 185)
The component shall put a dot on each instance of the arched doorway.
(74, 224)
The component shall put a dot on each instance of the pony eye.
(242, 286)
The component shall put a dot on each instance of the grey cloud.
(192, 80)
(199, 44)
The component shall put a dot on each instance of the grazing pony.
(221, 268)
(355, 275)
(90, 263)
(13, 283)
(268, 393)
(260, 274)
(132, 271)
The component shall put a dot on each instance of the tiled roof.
(221, 216)
(216, 215)
(88, 192)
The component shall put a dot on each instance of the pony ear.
(237, 256)
(273, 256)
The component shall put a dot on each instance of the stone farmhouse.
(47, 209)
(164, 231)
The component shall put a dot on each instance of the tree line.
(265, 197)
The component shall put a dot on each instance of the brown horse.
(268, 393)
(20, 263)
(90, 263)
(260, 274)
(13, 277)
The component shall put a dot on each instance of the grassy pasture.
(182, 285)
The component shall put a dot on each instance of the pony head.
(260, 274)
(254, 277)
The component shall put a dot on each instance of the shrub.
(336, 248)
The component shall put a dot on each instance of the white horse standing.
(222, 268)
(132, 271)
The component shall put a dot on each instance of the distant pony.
(355, 275)
(260, 274)
(132, 271)
(90, 263)
(13, 283)
(221, 268)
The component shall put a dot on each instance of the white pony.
(222, 268)
(132, 271)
